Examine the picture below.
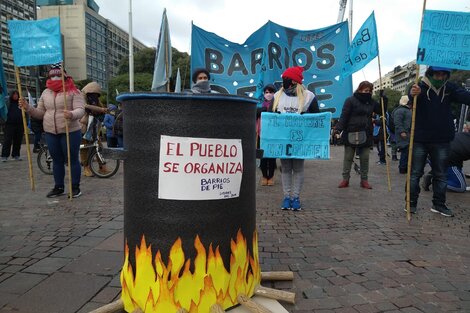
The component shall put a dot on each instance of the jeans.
(381, 150)
(349, 153)
(57, 145)
(292, 176)
(439, 155)
(403, 164)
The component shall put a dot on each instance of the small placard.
(199, 168)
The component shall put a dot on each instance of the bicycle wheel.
(102, 167)
(44, 160)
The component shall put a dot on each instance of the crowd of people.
(358, 128)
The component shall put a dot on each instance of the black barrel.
(216, 222)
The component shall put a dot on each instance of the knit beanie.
(56, 70)
(294, 73)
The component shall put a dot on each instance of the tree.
(142, 82)
(144, 62)
(393, 98)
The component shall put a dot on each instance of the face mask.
(55, 78)
(286, 83)
(268, 96)
(201, 80)
(436, 83)
(93, 98)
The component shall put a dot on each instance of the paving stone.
(97, 262)
(87, 241)
(48, 265)
(60, 293)
(20, 283)
(71, 252)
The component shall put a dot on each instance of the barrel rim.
(185, 96)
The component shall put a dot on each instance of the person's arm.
(344, 117)
(400, 127)
(78, 107)
(313, 106)
(459, 94)
(96, 109)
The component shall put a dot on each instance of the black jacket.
(357, 116)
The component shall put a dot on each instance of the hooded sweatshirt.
(434, 120)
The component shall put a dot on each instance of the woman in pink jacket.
(53, 112)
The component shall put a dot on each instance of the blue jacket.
(434, 120)
(109, 123)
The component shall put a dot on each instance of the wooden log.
(251, 305)
(277, 275)
(275, 294)
(217, 308)
(113, 307)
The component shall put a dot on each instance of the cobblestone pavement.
(351, 250)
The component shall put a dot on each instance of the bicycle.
(100, 166)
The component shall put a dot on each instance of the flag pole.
(25, 128)
(412, 133)
(384, 127)
(131, 51)
(67, 136)
(166, 59)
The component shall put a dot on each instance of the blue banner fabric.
(445, 40)
(162, 67)
(3, 92)
(363, 49)
(36, 42)
(244, 69)
(295, 136)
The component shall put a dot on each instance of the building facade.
(16, 10)
(93, 45)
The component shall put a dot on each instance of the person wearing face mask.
(52, 110)
(267, 165)
(434, 130)
(293, 98)
(91, 123)
(355, 125)
(201, 82)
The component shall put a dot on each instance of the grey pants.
(349, 153)
(292, 177)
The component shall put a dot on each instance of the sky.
(398, 22)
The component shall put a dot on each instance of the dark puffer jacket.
(357, 116)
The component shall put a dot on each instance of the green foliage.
(393, 98)
(144, 62)
(459, 77)
(82, 83)
(142, 82)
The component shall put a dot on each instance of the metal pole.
(131, 51)
(350, 19)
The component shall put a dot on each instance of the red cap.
(294, 73)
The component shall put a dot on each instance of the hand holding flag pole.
(412, 134)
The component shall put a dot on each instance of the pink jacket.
(51, 110)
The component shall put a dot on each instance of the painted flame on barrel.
(167, 288)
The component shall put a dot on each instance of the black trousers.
(13, 135)
(268, 165)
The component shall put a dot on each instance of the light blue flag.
(244, 69)
(363, 49)
(178, 81)
(444, 40)
(3, 92)
(36, 42)
(162, 69)
(295, 136)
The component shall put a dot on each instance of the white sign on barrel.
(199, 168)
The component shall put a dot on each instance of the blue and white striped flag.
(36, 42)
(3, 92)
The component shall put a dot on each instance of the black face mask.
(93, 98)
(286, 83)
(363, 97)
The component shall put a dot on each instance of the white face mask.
(55, 78)
(269, 96)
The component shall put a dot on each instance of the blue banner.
(36, 42)
(244, 69)
(162, 67)
(3, 92)
(444, 40)
(364, 48)
(295, 136)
